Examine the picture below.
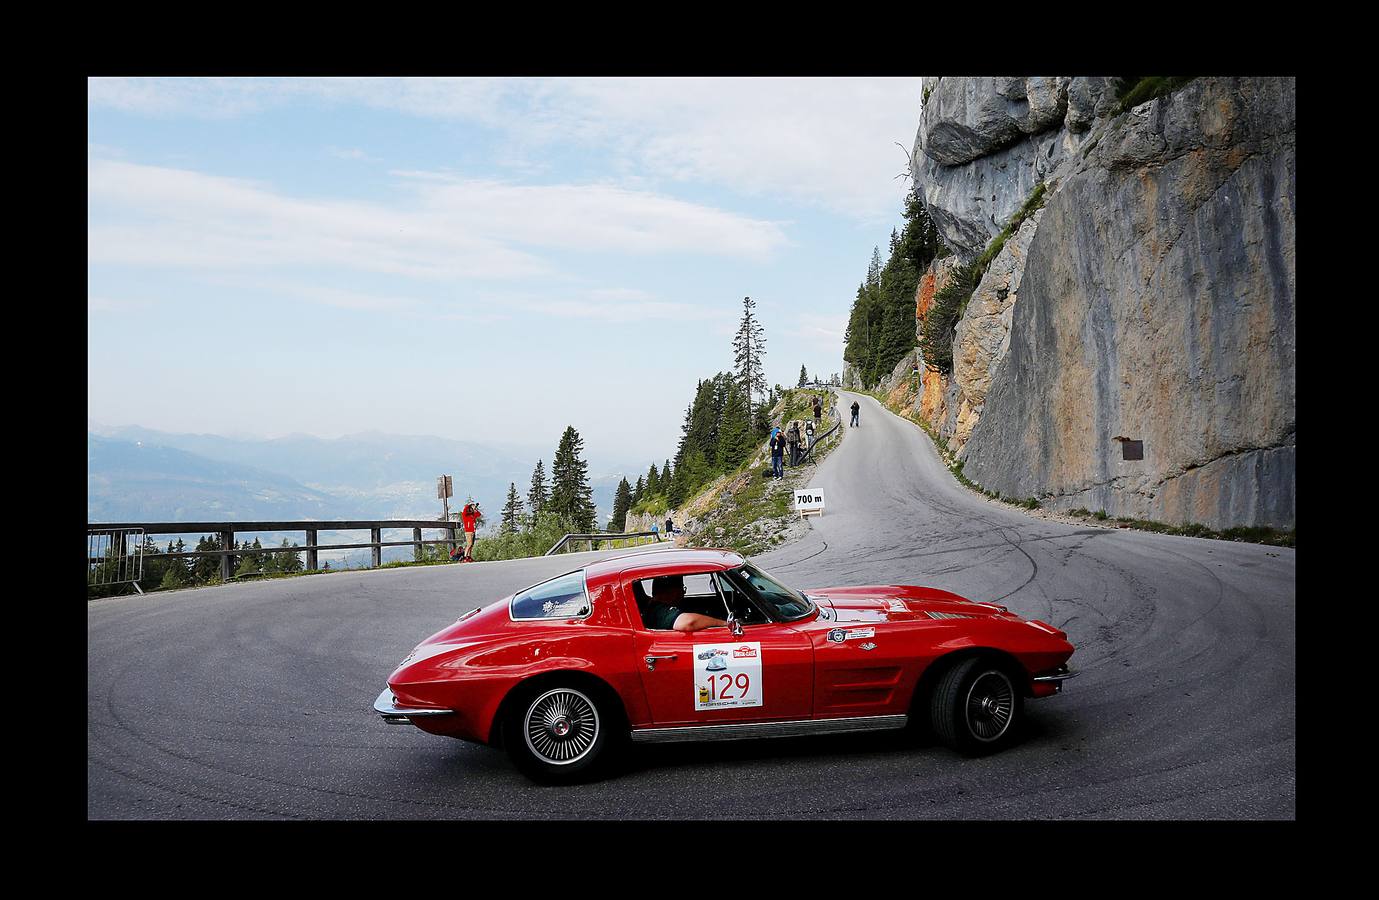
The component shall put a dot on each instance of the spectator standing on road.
(794, 442)
(656, 531)
(855, 410)
(470, 516)
(777, 453)
(670, 525)
(818, 411)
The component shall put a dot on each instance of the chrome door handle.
(652, 660)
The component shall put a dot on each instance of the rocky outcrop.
(643, 522)
(1155, 295)
(985, 143)
(931, 402)
(982, 335)
(901, 376)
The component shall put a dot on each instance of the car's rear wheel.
(558, 734)
(976, 706)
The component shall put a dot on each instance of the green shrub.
(1035, 201)
(941, 321)
(1133, 91)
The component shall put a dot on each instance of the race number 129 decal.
(727, 675)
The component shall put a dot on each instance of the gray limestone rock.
(1157, 304)
(1088, 100)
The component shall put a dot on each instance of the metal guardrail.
(227, 531)
(115, 555)
(819, 439)
(604, 536)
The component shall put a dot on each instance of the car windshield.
(783, 603)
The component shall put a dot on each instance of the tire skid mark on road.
(1034, 567)
(787, 565)
(152, 744)
(130, 760)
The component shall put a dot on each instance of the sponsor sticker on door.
(727, 675)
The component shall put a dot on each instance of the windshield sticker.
(727, 675)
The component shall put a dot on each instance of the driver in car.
(663, 610)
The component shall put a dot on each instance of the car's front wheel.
(558, 734)
(976, 707)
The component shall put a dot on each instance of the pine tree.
(804, 377)
(512, 510)
(694, 472)
(175, 574)
(700, 431)
(735, 441)
(538, 495)
(206, 568)
(761, 422)
(749, 346)
(665, 475)
(571, 495)
(622, 502)
(272, 563)
(288, 562)
(637, 491)
(881, 325)
(249, 563)
(653, 481)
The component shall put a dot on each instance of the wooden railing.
(228, 530)
(602, 536)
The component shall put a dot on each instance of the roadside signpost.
(809, 501)
(444, 491)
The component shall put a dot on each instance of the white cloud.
(357, 300)
(352, 153)
(824, 141)
(595, 217)
(615, 305)
(151, 215)
(101, 304)
(824, 332)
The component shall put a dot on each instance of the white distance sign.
(809, 500)
(727, 675)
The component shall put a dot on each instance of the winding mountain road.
(254, 700)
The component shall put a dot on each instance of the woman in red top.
(470, 517)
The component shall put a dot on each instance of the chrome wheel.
(561, 726)
(990, 706)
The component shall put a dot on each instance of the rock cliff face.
(1150, 299)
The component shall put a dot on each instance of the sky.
(478, 259)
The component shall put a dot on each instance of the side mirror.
(734, 625)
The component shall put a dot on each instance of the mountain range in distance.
(138, 474)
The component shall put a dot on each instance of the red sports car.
(683, 645)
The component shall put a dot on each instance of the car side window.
(701, 596)
(743, 609)
(563, 597)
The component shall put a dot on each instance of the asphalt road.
(253, 701)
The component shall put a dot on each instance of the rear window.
(562, 597)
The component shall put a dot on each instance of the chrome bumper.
(386, 706)
(1063, 673)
